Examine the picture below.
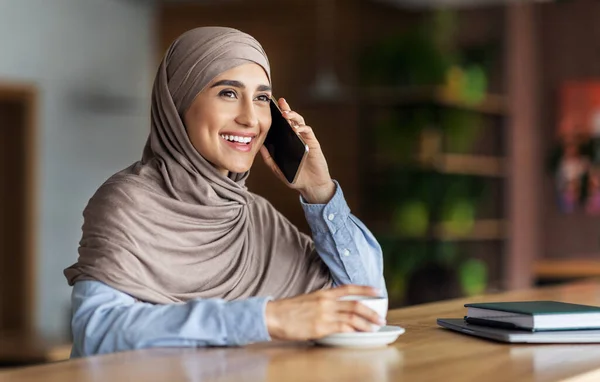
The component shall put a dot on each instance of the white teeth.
(235, 138)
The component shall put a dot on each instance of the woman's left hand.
(314, 182)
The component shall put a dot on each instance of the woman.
(176, 251)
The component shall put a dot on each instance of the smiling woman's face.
(229, 119)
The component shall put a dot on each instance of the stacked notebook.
(534, 315)
(529, 322)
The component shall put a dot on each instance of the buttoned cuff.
(328, 217)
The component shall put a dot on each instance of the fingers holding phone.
(295, 118)
(295, 151)
(286, 150)
(297, 121)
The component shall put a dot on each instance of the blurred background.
(465, 134)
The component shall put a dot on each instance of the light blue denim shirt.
(106, 320)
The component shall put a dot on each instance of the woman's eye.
(227, 94)
(263, 98)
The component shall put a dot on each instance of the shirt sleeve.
(347, 247)
(106, 320)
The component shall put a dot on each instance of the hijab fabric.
(170, 227)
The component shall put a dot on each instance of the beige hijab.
(171, 228)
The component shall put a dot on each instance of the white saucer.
(384, 336)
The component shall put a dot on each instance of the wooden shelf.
(482, 230)
(492, 104)
(566, 268)
(459, 164)
(470, 165)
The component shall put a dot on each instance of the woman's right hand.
(319, 314)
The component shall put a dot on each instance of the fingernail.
(284, 99)
(382, 321)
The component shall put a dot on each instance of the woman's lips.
(243, 147)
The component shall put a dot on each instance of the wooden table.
(566, 268)
(28, 348)
(424, 353)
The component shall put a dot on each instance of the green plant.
(418, 201)
(461, 129)
(473, 276)
(419, 56)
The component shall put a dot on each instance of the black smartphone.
(285, 146)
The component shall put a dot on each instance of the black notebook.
(534, 315)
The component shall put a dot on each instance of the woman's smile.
(239, 141)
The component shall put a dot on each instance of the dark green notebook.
(534, 315)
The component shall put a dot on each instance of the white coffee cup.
(378, 304)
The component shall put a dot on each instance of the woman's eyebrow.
(235, 84)
(238, 84)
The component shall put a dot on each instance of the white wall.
(66, 47)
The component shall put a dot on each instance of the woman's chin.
(239, 168)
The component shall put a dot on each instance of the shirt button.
(346, 252)
(330, 217)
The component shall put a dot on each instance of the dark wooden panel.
(13, 301)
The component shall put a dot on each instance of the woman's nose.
(247, 115)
